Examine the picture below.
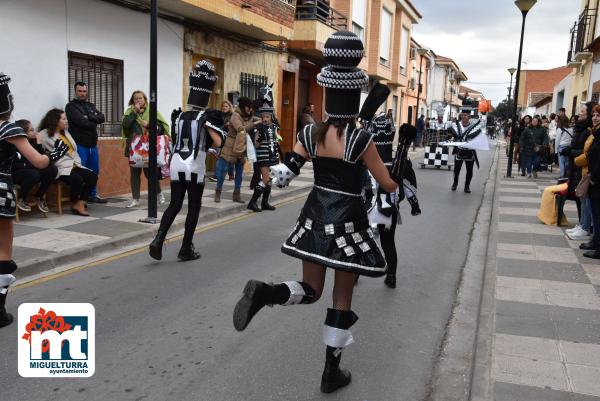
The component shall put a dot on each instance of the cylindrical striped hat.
(341, 78)
(6, 103)
(202, 81)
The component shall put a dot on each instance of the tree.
(504, 110)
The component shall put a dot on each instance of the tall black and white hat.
(266, 108)
(202, 81)
(6, 103)
(341, 78)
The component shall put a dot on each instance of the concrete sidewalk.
(545, 335)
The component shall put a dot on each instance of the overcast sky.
(482, 37)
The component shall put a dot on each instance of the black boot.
(453, 187)
(7, 267)
(265, 199)
(253, 204)
(390, 280)
(187, 252)
(5, 318)
(467, 190)
(333, 377)
(588, 246)
(258, 294)
(595, 254)
(156, 246)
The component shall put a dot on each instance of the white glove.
(282, 175)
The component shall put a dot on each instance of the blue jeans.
(563, 162)
(586, 214)
(222, 169)
(526, 163)
(90, 159)
(535, 162)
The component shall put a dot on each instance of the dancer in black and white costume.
(12, 140)
(193, 132)
(267, 155)
(465, 130)
(333, 229)
(383, 206)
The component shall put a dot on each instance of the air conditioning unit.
(413, 53)
(412, 84)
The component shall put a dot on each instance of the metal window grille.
(250, 85)
(104, 79)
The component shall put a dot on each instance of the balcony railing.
(582, 33)
(321, 11)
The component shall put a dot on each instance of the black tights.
(81, 181)
(178, 190)
(458, 165)
(389, 245)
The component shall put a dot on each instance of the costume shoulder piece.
(307, 137)
(214, 120)
(357, 141)
(10, 130)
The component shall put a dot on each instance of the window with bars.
(250, 85)
(104, 79)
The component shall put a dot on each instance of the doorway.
(288, 107)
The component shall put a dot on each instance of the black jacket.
(593, 158)
(20, 162)
(83, 118)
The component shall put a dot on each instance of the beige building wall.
(231, 59)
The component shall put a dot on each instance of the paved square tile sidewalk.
(547, 314)
(37, 237)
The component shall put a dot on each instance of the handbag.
(583, 187)
(250, 150)
(139, 150)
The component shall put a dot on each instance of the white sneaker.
(134, 203)
(579, 235)
(161, 199)
(572, 230)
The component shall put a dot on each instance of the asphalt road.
(164, 329)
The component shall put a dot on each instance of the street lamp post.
(152, 166)
(420, 52)
(524, 6)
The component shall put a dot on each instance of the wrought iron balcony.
(321, 11)
(582, 34)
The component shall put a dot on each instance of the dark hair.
(552, 116)
(136, 92)
(79, 83)
(23, 124)
(562, 109)
(306, 109)
(50, 121)
(340, 125)
(562, 121)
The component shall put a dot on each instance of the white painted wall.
(36, 36)
(564, 84)
(595, 76)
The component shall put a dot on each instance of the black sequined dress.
(333, 227)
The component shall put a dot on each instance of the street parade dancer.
(464, 131)
(193, 132)
(12, 140)
(267, 155)
(383, 213)
(332, 230)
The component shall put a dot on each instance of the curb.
(117, 244)
(453, 375)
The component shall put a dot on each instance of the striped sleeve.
(10, 130)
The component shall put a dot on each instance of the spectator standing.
(593, 159)
(564, 136)
(27, 176)
(540, 138)
(581, 132)
(526, 151)
(307, 115)
(241, 122)
(71, 170)
(84, 119)
(226, 110)
(420, 128)
(136, 121)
